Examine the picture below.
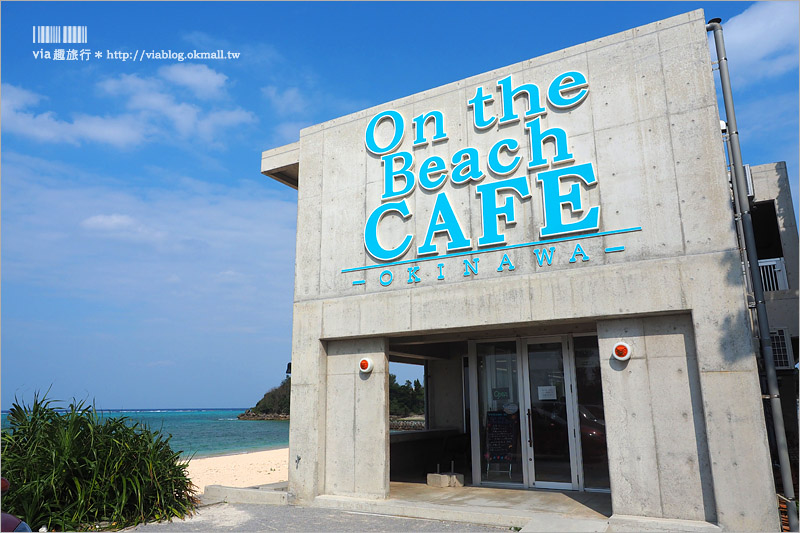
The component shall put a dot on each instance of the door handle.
(530, 430)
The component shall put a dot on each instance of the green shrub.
(74, 469)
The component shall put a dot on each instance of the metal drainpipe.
(740, 191)
(738, 217)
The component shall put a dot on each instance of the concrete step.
(490, 516)
(265, 496)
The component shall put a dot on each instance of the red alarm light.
(365, 365)
(622, 352)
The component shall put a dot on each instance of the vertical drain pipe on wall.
(740, 191)
(738, 219)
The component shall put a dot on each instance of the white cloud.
(204, 40)
(762, 41)
(212, 123)
(122, 131)
(286, 102)
(122, 227)
(109, 222)
(231, 277)
(251, 54)
(177, 251)
(127, 84)
(16, 98)
(309, 101)
(766, 116)
(149, 95)
(288, 132)
(204, 82)
(152, 112)
(763, 44)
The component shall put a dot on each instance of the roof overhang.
(282, 164)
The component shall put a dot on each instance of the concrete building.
(775, 226)
(513, 231)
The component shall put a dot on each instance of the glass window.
(499, 402)
(591, 413)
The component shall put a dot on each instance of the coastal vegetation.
(276, 401)
(407, 399)
(73, 469)
(273, 406)
(404, 400)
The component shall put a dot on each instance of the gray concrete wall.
(650, 127)
(771, 182)
(445, 393)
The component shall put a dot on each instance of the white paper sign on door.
(547, 393)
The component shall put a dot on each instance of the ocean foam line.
(170, 410)
(239, 451)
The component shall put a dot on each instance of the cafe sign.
(402, 175)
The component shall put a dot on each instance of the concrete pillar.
(656, 433)
(308, 399)
(357, 420)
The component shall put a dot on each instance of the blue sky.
(145, 260)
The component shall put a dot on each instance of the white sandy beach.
(240, 470)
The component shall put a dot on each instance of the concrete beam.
(282, 164)
(393, 354)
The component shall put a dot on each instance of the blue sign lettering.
(464, 167)
(444, 220)
(399, 129)
(553, 200)
(371, 241)
(492, 212)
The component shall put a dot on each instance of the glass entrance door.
(552, 447)
(498, 411)
(536, 408)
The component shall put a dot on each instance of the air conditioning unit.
(782, 349)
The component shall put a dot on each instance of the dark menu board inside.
(499, 437)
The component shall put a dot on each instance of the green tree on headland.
(276, 400)
(73, 469)
(404, 399)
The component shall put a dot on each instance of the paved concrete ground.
(591, 505)
(250, 517)
(532, 510)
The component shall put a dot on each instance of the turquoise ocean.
(206, 432)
